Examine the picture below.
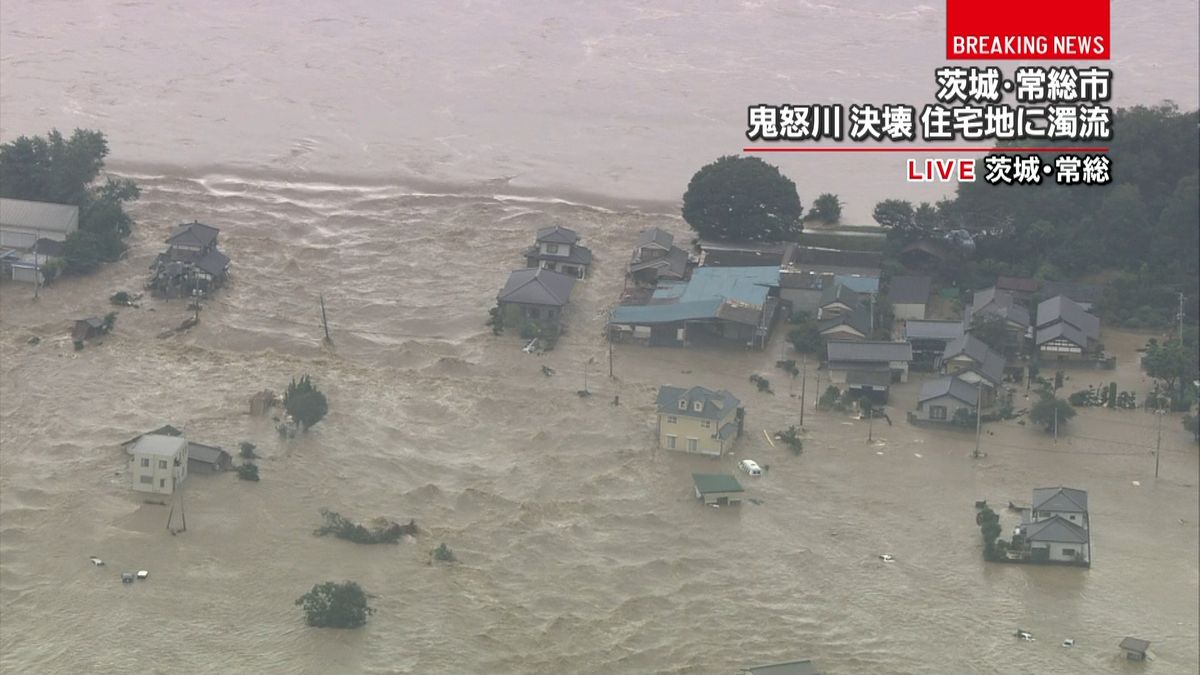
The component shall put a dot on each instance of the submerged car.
(751, 467)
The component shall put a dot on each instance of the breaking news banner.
(1044, 122)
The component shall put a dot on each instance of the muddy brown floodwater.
(582, 548)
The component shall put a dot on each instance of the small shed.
(717, 488)
(86, 329)
(1135, 649)
(207, 458)
(262, 402)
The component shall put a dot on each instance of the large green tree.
(1171, 362)
(334, 605)
(1050, 412)
(304, 402)
(742, 199)
(826, 208)
(65, 170)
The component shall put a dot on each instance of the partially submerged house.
(86, 329)
(558, 249)
(192, 263)
(806, 271)
(868, 367)
(1056, 528)
(929, 339)
(1065, 329)
(698, 420)
(909, 296)
(657, 257)
(158, 463)
(942, 399)
(991, 302)
(208, 458)
(717, 305)
(717, 488)
(24, 222)
(535, 297)
(971, 360)
(854, 325)
(927, 254)
(1135, 649)
(742, 253)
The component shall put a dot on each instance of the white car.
(750, 466)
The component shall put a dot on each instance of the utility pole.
(1180, 318)
(37, 271)
(325, 321)
(803, 381)
(870, 421)
(1158, 445)
(1056, 422)
(817, 399)
(978, 416)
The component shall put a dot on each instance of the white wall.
(909, 311)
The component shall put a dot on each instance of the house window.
(706, 424)
(698, 406)
(691, 445)
(683, 404)
(145, 462)
(552, 248)
(162, 463)
(162, 482)
(1069, 552)
(937, 412)
(671, 419)
(148, 480)
(533, 313)
(670, 442)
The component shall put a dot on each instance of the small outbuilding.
(207, 458)
(1135, 649)
(717, 488)
(86, 329)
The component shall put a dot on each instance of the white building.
(1058, 528)
(158, 463)
(23, 222)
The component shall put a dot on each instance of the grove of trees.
(335, 605)
(742, 199)
(304, 402)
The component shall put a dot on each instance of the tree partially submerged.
(791, 438)
(444, 554)
(305, 403)
(383, 531)
(1051, 412)
(248, 471)
(334, 605)
(742, 199)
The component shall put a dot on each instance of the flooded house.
(23, 222)
(720, 489)
(558, 249)
(86, 329)
(698, 420)
(191, 264)
(991, 302)
(853, 325)
(158, 463)
(1056, 528)
(941, 400)
(929, 339)
(970, 359)
(1065, 330)
(657, 257)
(535, 298)
(805, 272)
(731, 306)
(204, 458)
(868, 367)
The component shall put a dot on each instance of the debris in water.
(886, 557)
(879, 452)
(126, 578)
(1024, 635)
(1137, 483)
(917, 455)
(547, 371)
(34, 340)
(1069, 642)
(143, 575)
(96, 561)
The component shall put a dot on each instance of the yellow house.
(698, 420)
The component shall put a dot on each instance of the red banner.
(1059, 30)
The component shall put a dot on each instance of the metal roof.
(708, 483)
(43, 216)
(208, 454)
(868, 350)
(866, 376)
(744, 284)
(536, 286)
(158, 445)
(1134, 644)
(666, 313)
(949, 386)
(1058, 530)
(1079, 292)
(1067, 500)
(858, 283)
(909, 290)
(715, 404)
(928, 329)
(731, 293)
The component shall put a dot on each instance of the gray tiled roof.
(1134, 644)
(909, 290)
(857, 377)
(1062, 329)
(928, 329)
(656, 236)
(536, 286)
(1079, 292)
(1058, 530)
(715, 404)
(839, 293)
(859, 320)
(193, 234)
(1062, 308)
(214, 262)
(949, 386)
(868, 350)
(1068, 500)
(674, 262)
(990, 301)
(556, 234)
(579, 255)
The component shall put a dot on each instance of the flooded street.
(398, 159)
(582, 547)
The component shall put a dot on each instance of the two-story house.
(1065, 329)
(558, 250)
(698, 420)
(656, 257)
(1056, 527)
(158, 463)
(191, 262)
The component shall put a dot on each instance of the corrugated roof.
(666, 313)
(556, 234)
(928, 329)
(1058, 530)
(158, 445)
(44, 216)
(1067, 500)
(715, 404)
(536, 286)
(909, 290)
(868, 351)
(743, 284)
(708, 483)
(949, 386)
